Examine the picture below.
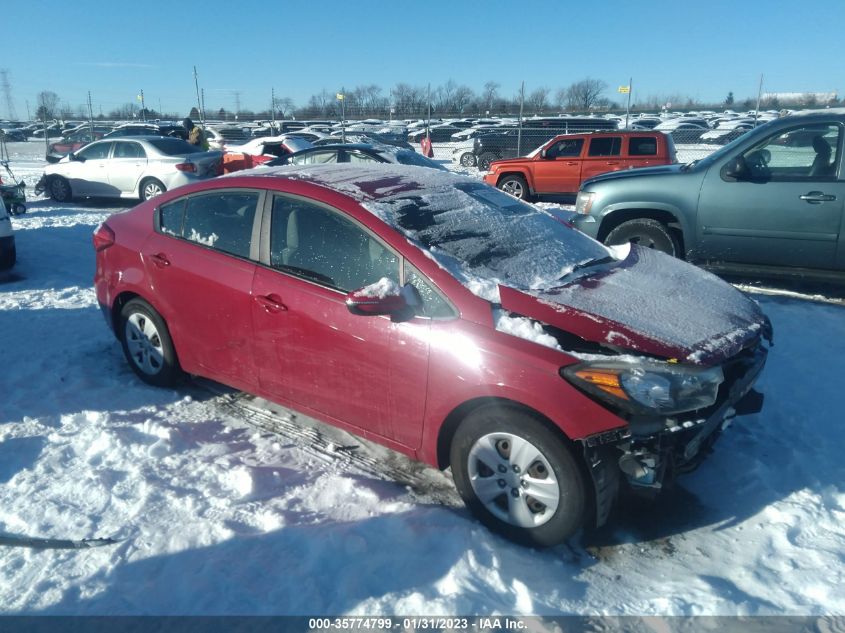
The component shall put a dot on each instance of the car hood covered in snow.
(648, 303)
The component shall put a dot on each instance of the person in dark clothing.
(196, 136)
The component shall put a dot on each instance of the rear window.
(606, 146)
(642, 146)
(173, 146)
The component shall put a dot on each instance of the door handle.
(572, 163)
(814, 197)
(271, 303)
(160, 260)
(613, 162)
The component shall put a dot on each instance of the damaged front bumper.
(650, 451)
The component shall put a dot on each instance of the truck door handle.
(271, 303)
(572, 163)
(814, 197)
(160, 260)
(613, 162)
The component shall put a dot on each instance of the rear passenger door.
(604, 154)
(128, 163)
(200, 262)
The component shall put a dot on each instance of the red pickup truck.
(561, 165)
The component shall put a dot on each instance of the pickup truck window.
(642, 146)
(606, 146)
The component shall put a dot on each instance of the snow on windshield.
(484, 237)
(480, 235)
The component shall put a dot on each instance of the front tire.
(151, 188)
(60, 189)
(517, 476)
(646, 233)
(515, 186)
(467, 159)
(147, 345)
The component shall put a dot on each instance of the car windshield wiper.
(584, 265)
(689, 165)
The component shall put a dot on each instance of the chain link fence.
(462, 154)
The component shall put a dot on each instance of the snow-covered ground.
(212, 515)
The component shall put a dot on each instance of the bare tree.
(462, 97)
(284, 106)
(48, 105)
(538, 99)
(585, 93)
(491, 91)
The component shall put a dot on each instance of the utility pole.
(143, 107)
(28, 117)
(519, 127)
(273, 109)
(759, 94)
(90, 116)
(628, 107)
(199, 102)
(7, 92)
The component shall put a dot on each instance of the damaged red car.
(444, 319)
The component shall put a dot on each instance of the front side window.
(98, 151)
(220, 220)
(806, 152)
(569, 147)
(322, 245)
(642, 146)
(606, 146)
(432, 305)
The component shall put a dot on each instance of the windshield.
(408, 157)
(726, 149)
(485, 237)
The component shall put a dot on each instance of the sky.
(243, 52)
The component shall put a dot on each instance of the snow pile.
(384, 287)
(524, 328)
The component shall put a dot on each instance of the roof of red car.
(364, 182)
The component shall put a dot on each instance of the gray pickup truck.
(769, 202)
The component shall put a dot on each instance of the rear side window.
(128, 150)
(605, 146)
(222, 221)
(642, 146)
(173, 146)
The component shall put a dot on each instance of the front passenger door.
(785, 210)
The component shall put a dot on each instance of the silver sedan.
(137, 167)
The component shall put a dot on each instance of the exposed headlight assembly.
(648, 387)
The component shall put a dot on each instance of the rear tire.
(517, 476)
(60, 189)
(147, 345)
(151, 188)
(646, 233)
(485, 159)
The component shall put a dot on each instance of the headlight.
(649, 387)
(584, 202)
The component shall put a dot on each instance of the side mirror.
(736, 169)
(383, 297)
(543, 153)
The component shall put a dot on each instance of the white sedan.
(137, 167)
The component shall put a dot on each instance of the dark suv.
(513, 142)
(769, 202)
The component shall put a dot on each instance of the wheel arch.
(453, 420)
(670, 218)
(523, 173)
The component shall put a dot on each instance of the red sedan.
(443, 318)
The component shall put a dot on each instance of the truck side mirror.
(736, 169)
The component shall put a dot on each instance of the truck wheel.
(516, 186)
(518, 477)
(485, 159)
(646, 233)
